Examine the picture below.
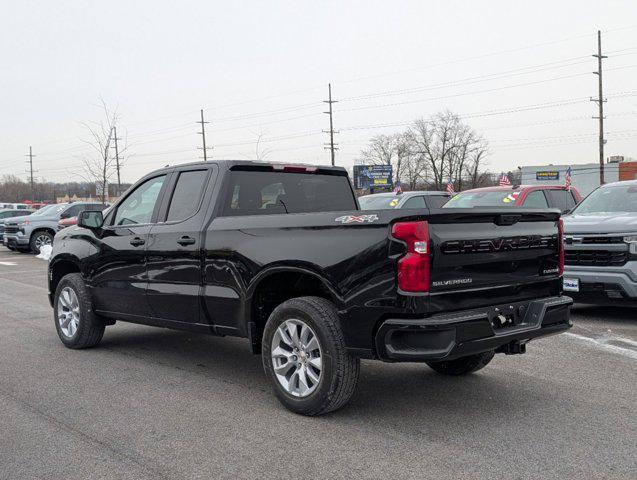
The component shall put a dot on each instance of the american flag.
(450, 187)
(567, 178)
(398, 188)
(504, 180)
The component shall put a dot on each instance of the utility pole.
(331, 146)
(30, 155)
(600, 102)
(203, 136)
(119, 180)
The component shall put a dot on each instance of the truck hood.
(625, 222)
(16, 220)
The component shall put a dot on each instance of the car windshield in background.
(268, 193)
(378, 202)
(483, 199)
(618, 199)
(49, 210)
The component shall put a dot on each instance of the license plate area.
(511, 316)
(570, 284)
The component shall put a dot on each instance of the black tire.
(11, 248)
(339, 374)
(91, 327)
(463, 365)
(34, 237)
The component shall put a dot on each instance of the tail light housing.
(560, 246)
(414, 268)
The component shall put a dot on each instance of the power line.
(332, 146)
(600, 103)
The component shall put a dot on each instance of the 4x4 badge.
(356, 219)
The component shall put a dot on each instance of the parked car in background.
(390, 200)
(7, 213)
(15, 206)
(70, 221)
(600, 238)
(528, 196)
(30, 233)
(282, 256)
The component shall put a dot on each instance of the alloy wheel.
(68, 312)
(296, 358)
(42, 240)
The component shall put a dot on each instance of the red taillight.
(560, 245)
(413, 268)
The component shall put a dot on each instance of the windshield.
(609, 200)
(378, 202)
(483, 199)
(49, 210)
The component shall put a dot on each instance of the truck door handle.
(136, 242)
(183, 241)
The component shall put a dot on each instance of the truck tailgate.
(486, 257)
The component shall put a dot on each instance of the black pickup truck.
(283, 256)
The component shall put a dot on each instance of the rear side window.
(267, 193)
(536, 199)
(436, 201)
(561, 199)
(415, 202)
(187, 195)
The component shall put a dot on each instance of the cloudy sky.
(518, 72)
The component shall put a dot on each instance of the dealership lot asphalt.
(154, 403)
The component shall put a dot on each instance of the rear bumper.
(449, 336)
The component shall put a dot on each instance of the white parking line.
(8, 264)
(603, 342)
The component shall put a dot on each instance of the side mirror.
(65, 215)
(90, 219)
(564, 212)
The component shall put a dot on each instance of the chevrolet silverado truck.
(601, 246)
(283, 256)
(30, 233)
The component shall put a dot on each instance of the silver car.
(600, 237)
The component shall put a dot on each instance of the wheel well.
(276, 289)
(48, 230)
(59, 270)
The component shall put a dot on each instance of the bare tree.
(388, 150)
(99, 166)
(432, 151)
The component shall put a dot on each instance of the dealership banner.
(547, 175)
(372, 176)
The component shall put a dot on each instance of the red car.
(67, 222)
(529, 196)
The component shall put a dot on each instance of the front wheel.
(40, 239)
(304, 355)
(76, 324)
(463, 365)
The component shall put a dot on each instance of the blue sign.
(373, 176)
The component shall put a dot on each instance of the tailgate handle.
(507, 219)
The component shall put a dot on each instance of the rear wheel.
(463, 365)
(304, 356)
(39, 239)
(76, 324)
